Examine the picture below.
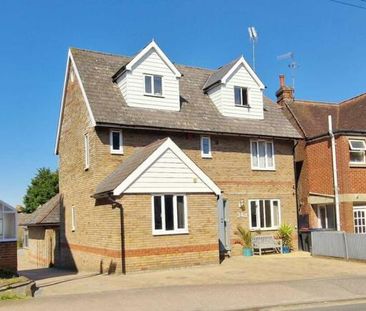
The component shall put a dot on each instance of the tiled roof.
(347, 116)
(217, 75)
(48, 213)
(127, 167)
(198, 112)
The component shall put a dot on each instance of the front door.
(224, 236)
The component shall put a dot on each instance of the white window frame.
(120, 149)
(163, 231)
(153, 86)
(358, 150)
(258, 227)
(267, 167)
(206, 155)
(241, 96)
(73, 219)
(318, 208)
(357, 227)
(4, 224)
(86, 151)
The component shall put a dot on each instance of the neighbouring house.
(159, 162)
(41, 233)
(314, 161)
(8, 237)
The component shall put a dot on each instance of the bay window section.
(264, 214)
(7, 223)
(169, 214)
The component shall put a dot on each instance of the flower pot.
(247, 252)
(285, 250)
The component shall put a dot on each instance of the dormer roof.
(222, 74)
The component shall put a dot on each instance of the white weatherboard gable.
(222, 95)
(150, 61)
(167, 170)
(71, 64)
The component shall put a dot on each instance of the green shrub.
(245, 237)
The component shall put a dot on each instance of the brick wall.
(8, 256)
(98, 231)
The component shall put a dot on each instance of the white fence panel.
(356, 244)
(328, 244)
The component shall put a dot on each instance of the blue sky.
(328, 39)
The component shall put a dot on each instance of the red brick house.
(159, 162)
(8, 238)
(315, 172)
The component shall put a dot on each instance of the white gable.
(167, 170)
(240, 75)
(168, 175)
(150, 61)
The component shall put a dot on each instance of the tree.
(43, 187)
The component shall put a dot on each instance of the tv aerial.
(293, 65)
(253, 36)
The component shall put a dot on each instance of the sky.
(328, 40)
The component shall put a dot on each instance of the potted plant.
(285, 234)
(245, 240)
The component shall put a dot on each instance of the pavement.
(271, 282)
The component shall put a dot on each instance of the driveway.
(235, 284)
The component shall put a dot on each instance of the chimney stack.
(285, 93)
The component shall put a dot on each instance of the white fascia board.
(153, 45)
(241, 61)
(70, 60)
(169, 144)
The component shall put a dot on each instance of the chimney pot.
(282, 80)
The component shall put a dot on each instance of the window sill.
(206, 156)
(359, 165)
(264, 229)
(243, 106)
(117, 152)
(152, 95)
(264, 169)
(8, 240)
(170, 233)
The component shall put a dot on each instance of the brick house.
(8, 237)
(160, 162)
(41, 233)
(314, 161)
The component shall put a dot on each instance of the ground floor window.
(359, 218)
(7, 223)
(326, 216)
(264, 214)
(169, 214)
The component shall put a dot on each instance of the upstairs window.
(153, 85)
(264, 214)
(169, 214)
(357, 151)
(86, 152)
(116, 141)
(262, 155)
(206, 147)
(241, 96)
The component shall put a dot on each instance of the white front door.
(359, 218)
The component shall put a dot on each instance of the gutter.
(336, 133)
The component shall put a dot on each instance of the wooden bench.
(266, 242)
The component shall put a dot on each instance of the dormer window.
(153, 85)
(241, 96)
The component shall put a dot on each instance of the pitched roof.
(347, 116)
(127, 167)
(198, 112)
(46, 214)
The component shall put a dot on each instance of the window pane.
(267, 204)
(357, 144)
(244, 93)
(148, 88)
(331, 216)
(253, 213)
(276, 215)
(9, 219)
(321, 216)
(169, 214)
(158, 224)
(261, 212)
(357, 156)
(180, 212)
(262, 154)
(237, 95)
(269, 155)
(206, 145)
(157, 85)
(116, 140)
(255, 154)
